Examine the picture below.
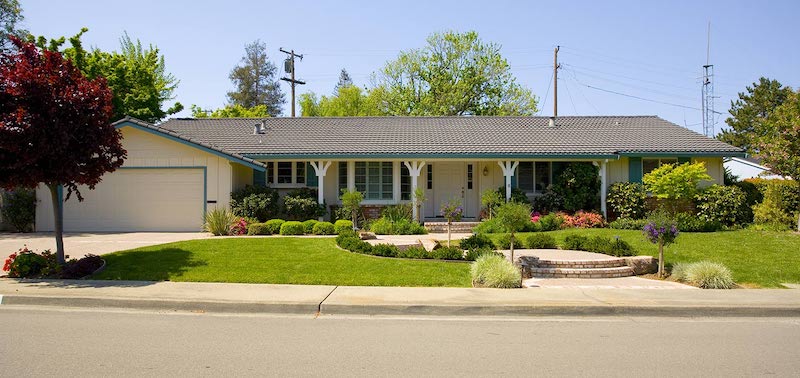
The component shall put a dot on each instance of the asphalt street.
(55, 341)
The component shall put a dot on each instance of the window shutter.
(635, 169)
(259, 178)
(311, 176)
(682, 160)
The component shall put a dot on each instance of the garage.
(138, 199)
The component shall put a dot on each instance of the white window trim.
(273, 183)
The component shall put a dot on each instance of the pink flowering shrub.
(535, 216)
(239, 228)
(582, 219)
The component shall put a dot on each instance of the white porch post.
(321, 168)
(414, 170)
(508, 168)
(603, 187)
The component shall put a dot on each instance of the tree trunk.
(58, 213)
(798, 222)
(661, 260)
(448, 233)
(512, 248)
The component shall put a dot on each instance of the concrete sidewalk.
(336, 300)
(77, 245)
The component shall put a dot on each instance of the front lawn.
(760, 258)
(308, 261)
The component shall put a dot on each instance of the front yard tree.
(454, 74)
(513, 216)
(255, 81)
(54, 127)
(451, 211)
(351, 203)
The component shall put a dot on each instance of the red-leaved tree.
(55, 127)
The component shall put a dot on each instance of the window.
(469, 176)
(374, 179)
(405, 183)
(300, 172)
(342, 176)
(534, 177)
(285, 172)
(649, 165)
(430, 177)
(269, 174)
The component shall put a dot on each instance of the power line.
(575, 109)
(646, 89)
(546, 93)
(580, 91)
(626, 61)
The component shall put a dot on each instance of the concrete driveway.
(78, 244)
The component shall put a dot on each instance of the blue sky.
(653, 51)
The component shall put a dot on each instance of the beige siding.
(617, 170)
(242, 176)
(715, 170)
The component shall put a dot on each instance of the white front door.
(449, 182)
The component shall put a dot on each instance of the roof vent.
(260, 128)
(551, 122)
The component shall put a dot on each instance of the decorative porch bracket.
(321, 168)
(414, 170)
(603, 186)
(508, 168)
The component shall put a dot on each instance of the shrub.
(323, 228)
(674, 181)
(583, 219)
(752, 196)
(385, 250)
(550, 222)
(29, 264)
(517, 195)
(504, 242)
(614, 247)
(575, 242)
(491, 200)
(477, 241)
(81, 268)
(219, 221)
(257, 202)
(350, 241)
(709, 275)
(474, 253)
(549, 202)
(308, 226)
(302, 204)
(678, 272)
(343, 225)
(385, 226)
(495, 271)
(414, 253)
(239, 227)
(772, 211)
(787, 191)
(448, 253)
(541, 241)
(19, 209)
(627, 224)
(292, 228)
(721, 204)
(579, 185)
(491, 226)
(273, 226)
(397, 213)
(627, 200)
(690, 223)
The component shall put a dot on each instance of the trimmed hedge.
(448, 253)
(414, 253)
(292, 228)
(474, 253)
(477, 241)
(541, 241)
(342, 226)
(628, 224)
(504, 242)
(323, 228)
(308, 226)
(385, 250)
(598, 244)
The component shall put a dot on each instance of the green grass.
(758, 258)
(309, 261)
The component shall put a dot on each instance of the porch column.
(321, 168)
(508, 168)
(414, 170)
(603, 186)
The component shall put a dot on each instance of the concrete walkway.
(78, 244)
(336, 300)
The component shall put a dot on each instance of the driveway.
(78, 244)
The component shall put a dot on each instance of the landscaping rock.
(367, 235)
(642, 264)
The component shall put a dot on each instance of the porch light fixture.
(485, 170)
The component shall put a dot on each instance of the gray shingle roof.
(449, 136)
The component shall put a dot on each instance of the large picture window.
(285, 172)
(374, 179)
(534, 177)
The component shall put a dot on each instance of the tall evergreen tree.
(344, 81)
(10, 17)
(255, 81)
(750, 112)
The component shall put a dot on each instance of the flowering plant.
(535, 216)
(28, 264)
(452, 211)
(660, 229)
(239, 228)
(582, 219)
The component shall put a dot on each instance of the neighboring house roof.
(488, 137)
(189, 141)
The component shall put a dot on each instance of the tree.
(455, 74)
(344, 81)
(231, 111)
(672, 181)
(54, 127)
(513, 216)
(10, 17)
(451, 211)
(136, 76)
(750, 111)
(491, 199)
(660, 229)
(349, 101)
(351, 203)
(254, 79)
(780, 146)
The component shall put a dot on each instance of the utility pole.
(288, 66)
(708, 91)
(555, 81)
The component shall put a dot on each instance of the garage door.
(169, 199)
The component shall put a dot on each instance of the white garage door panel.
(140, 200)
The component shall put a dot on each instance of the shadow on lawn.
(148, 265)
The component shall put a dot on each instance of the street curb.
(161, 304)
(400, 310)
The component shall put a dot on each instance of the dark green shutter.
(682, 160)
(514, 178)
(259, 178)
(635, 169)
(311, 176)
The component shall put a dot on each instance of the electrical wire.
(574, 109)
(546, 93)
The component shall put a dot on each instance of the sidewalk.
(343, 300)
